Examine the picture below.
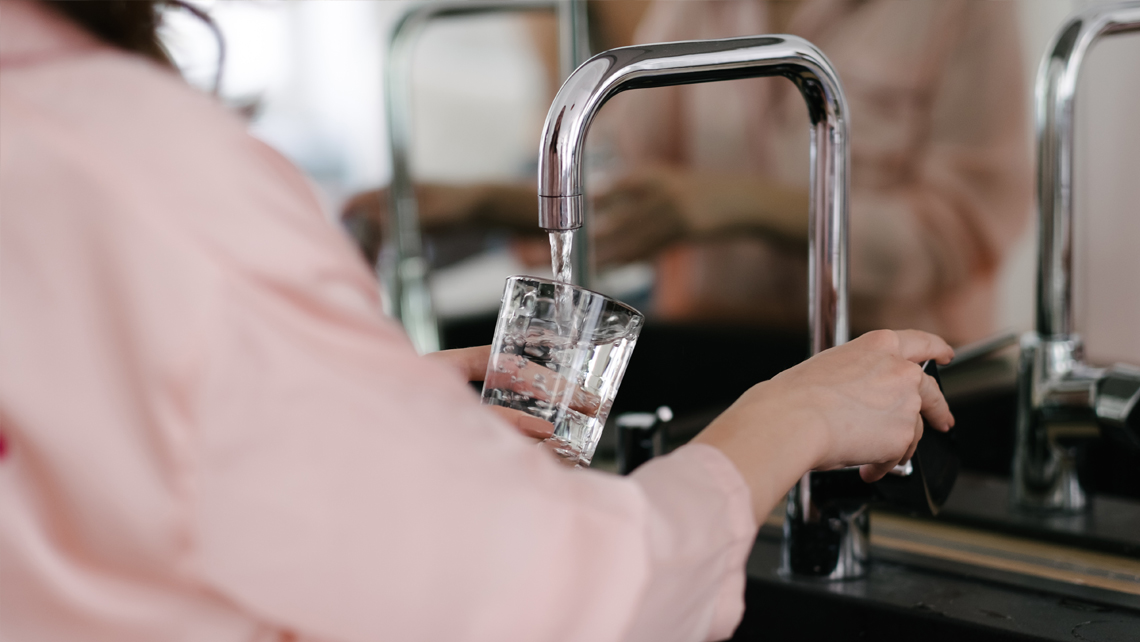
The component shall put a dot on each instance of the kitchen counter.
(906, 596)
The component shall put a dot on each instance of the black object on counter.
(1118, 405)
(935, 467)
(640, 437)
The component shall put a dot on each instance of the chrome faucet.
(402, 267)
(561, 196)
(562, 207)
(1062, 401)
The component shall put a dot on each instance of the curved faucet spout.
(562, 204)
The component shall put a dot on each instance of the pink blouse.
(211, 433)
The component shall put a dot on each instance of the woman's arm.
(344, 487)
(652, 207)
(508, 206)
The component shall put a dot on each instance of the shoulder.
(114, 157)
(177, 156)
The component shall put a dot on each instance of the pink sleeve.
(700, 504)
(245, 445)
(345, 488)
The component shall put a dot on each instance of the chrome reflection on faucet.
(562, 206)
(1058, 394)
(402, 266)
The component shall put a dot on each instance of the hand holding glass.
(559, 354)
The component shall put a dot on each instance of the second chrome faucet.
(1063, 402)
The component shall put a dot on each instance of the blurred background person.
(713, 185)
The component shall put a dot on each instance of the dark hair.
(131, 25)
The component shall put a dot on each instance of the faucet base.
(1055, 421)
(830, 541)
(1064, 496)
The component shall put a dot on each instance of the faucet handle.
(934, 469)
(1118, 404)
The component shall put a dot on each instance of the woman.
(212, 433)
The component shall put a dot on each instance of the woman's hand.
(472, 364)
(868, 395)
(639, 215)
(650, 208)
(365, 215)
(501, 205)
(856, 404)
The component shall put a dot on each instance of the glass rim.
(528, 277)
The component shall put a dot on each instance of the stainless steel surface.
(964, 354)
(1056, 393)
(901, 470)
(820, 542)
(1056, 390)
(402, 267)
(825, 540)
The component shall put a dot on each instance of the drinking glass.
(559, 354)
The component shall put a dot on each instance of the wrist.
(771, 440)
(806, 430)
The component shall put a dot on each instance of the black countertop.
(899, 601)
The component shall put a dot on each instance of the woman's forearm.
(513, 206)
(720, 203)
(648, 209)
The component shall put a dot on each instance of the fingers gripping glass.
(559, 354)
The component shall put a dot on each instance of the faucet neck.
(560, 186)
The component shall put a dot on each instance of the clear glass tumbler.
(559, 354)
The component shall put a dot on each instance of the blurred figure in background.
(715, 180)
